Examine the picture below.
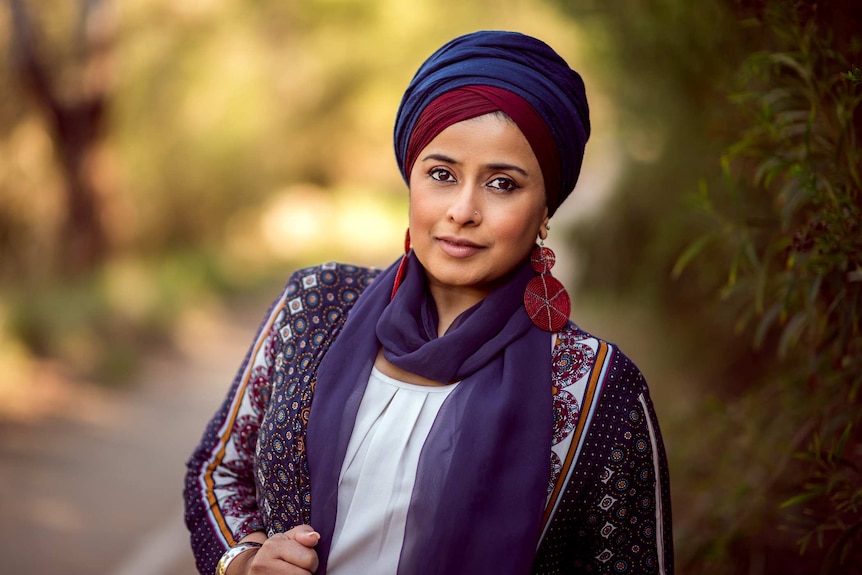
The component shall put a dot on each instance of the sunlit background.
(165, 165)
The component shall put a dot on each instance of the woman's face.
(477, 203)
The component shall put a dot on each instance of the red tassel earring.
(546, 300)
(399, 275)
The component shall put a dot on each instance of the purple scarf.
(481, 483)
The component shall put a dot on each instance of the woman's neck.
(452, 301)
(395, 372)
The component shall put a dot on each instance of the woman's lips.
(458, 247)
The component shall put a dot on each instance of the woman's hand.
(290, 553)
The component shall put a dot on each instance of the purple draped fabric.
(481, 481)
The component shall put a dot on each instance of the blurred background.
(165, 165)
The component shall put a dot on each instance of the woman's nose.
(464, 209)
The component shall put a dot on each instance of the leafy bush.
(792, 215)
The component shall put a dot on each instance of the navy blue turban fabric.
(515, 62)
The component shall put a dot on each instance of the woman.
(459, 423)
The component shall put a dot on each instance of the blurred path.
(96, 488)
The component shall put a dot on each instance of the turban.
(518, 64)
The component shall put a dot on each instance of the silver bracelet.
(232, 554)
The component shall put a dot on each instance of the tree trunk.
(77, 125)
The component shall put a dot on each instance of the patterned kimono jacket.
(608, 504)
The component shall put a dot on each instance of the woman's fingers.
(288, 553)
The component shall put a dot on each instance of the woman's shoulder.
(320, 294)
(345, 280)
(331, 274)
(578, 353)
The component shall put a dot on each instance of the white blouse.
(378, 474)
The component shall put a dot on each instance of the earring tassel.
(402, 266)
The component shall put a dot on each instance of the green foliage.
(666, 65)
(793, 218)
(736, 223)
(97, 325)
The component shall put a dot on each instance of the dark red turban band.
(473, 101)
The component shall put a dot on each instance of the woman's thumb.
(306, 535)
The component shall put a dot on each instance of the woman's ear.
(543, 229)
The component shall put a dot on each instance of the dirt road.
(95, 487)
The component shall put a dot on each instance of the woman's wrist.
(235, 557)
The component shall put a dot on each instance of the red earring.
(399, 275)
(546, 300)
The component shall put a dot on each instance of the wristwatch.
(232, 554)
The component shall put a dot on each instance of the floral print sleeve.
(220, 500)
(609, 509)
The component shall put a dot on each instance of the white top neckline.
(411, 386)
(379, 471)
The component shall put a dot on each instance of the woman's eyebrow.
(502, 166)
(440, 158)
(493, 166)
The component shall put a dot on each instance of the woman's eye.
(441, 175)
(503, 184)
